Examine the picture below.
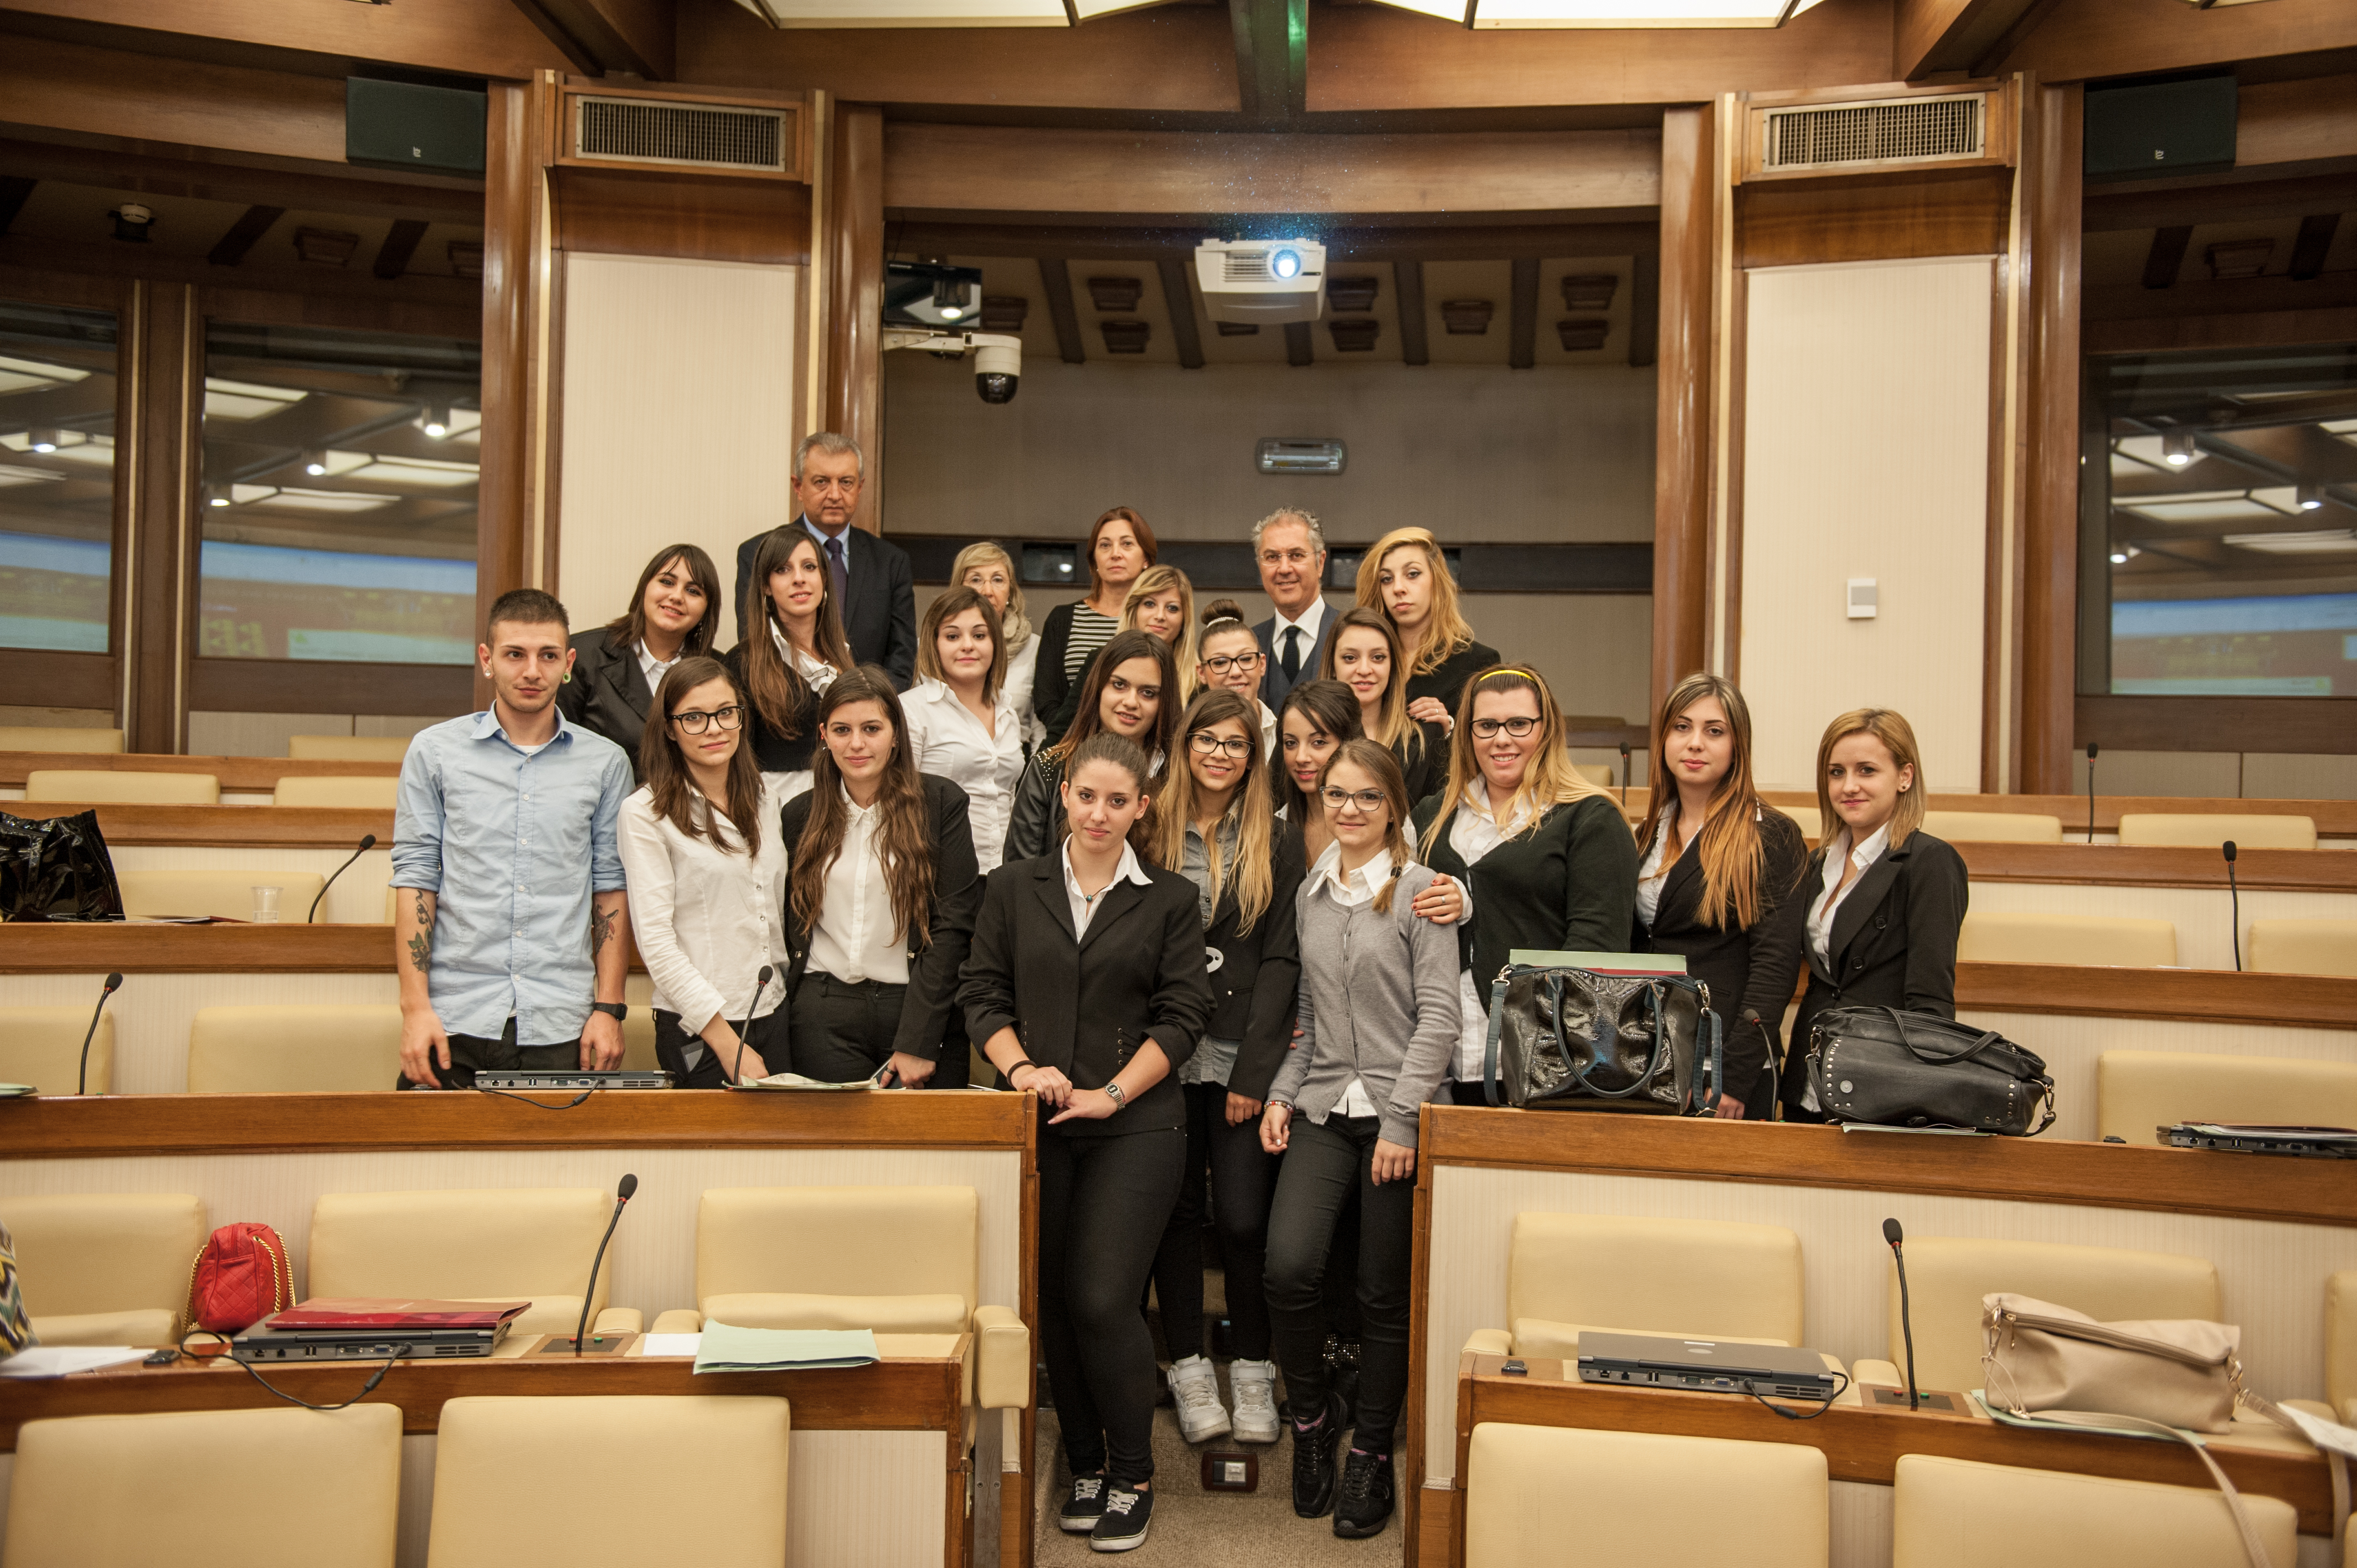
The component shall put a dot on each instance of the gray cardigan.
(1378, 1002)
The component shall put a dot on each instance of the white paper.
(669, 1344)
(2326, 1434)
(56, 1361)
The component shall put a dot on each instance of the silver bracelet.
(1119, 1099)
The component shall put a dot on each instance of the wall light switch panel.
(1862, 598)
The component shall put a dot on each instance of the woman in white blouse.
(989, 570)
(707, 871)
(962, 720)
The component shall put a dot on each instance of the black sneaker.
(1366, 1499)
(1313, 1463)
(1127, 1510)
(1082, 1511)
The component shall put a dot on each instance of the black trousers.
(842, 1030)
(1104, 1202)
(765, 1035)
(1227, 1165)
(1324, 1167)
(470, 1053)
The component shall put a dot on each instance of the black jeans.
(1241, 1178)
(469, 1053)
(843, 1031)
(1103, 1201)
(1324, 1166)
(765, 1035)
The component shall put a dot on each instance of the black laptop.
(1707, 1366)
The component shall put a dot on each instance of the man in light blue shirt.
(508, 907)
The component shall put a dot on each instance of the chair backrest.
(1992, 827)
(102, 787)
(224, 894)
(2303, 947)
(105, 1258)
(1707, 1278)
(295, 1049)
(354, 794)
(2021, 937)
(2201, 830)
(58, 738)
(2137, 1092)
(513, 1243)
(1945, 1513)
(2340, 1343)
(861, 1241)
(1597, 773)
(1540, 1495)
(1948, 1275)
(211, 1489)
(42, 1047)
(347, 747)
(706, 1482)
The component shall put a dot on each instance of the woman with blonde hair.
(1406, 578)
(986, 568)
(1161, 603)
(1718, 864)
(1364, 654)
(1120, 545)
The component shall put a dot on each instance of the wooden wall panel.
(2294, 122)
(469, 37)
(2050, 207)
(681, 216)
(166, 339)
(127, 97)
(2125, 38)
(854, 279)
(1682, 443)
(1792, 223)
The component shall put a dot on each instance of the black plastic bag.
(55, 868)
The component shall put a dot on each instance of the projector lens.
(1286, 264)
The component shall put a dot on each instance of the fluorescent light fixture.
(216, 496)
(247, 400)
(2213, 506)
(2119, 557)
(36, 375)
(11, 475)
(431, 473)
(323, 500)
(2176, 448)
(435, 420)
(2317, 542)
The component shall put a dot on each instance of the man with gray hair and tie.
(1290, 550)
(872, 580)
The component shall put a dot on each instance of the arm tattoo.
(601, 929)
(421, 946)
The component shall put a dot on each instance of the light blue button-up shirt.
(513, 843)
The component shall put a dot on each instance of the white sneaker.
(1253, 1384)
(1196, 1386)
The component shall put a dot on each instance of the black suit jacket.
(1084, 1007)
(879, 616)
(1893, 942)
(775, 753)
(1259, 978)
(608, 693)
(1273, 681)
(936, 954)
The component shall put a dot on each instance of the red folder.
(389, 1312)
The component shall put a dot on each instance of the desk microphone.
(1624, 773)
(2235, 894)
(761, 984)
(1892, 1234)
(114, 984)
(623, 1191)
(368, 842)
(2091, 791)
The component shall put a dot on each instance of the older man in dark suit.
(1291, 553)
(872, 581)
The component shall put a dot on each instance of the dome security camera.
(996, 368)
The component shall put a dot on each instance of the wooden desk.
(244, 774)
(2123, 866)
(2333, 818)
(231, 827)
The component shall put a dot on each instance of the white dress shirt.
(816, 672)
(856, 938)
(1084, 906)
(1651, 874)
(1311, 619)
(1472, 833)
(1268, 731)
(1351, 890)
(1829, 902)
(706, 921)
(945, 739)
(654, 669)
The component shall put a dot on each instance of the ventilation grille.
(1906, 131)
(636, 130)
(1247, 266)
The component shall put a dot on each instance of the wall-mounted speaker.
(2143, 130)
(406, 125)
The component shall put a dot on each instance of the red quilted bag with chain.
(240, 1277)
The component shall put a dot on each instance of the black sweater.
(1446, 680)
(1568, 886)
(774, 752)
(1254, 990)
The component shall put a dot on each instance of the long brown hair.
(630, 628)
(1248, 809)
(1130, 758)
(1334, 711)
(904, 841)
(1384, 767)
(1727, 840)
(945, 608)
(1145, 542)
(1119, 649)
(1396, 729)
(778, 692)
(672, 789)
(1548, 779)
(1445, 631)
(1897, 737)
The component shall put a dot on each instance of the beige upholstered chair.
(215, 1488)
(1550, 1497)
(101, 787)
(2303, 947)
(1597, 773)
(49, 737)
(2139, 1091)
(1992, 827)
(42, 1047)
(347, 747)
(224, 895)
(1949, 1513)
(1949, 1275)
(355, 794)
(2199, 831)
(694, 1478)
(2340, 1345)
(897, 1260)
(106, 1268)
(1704, 1278)
(501, 1244)
(294, 1051)
(2010, 937)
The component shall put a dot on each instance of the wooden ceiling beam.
(445, 201)
(15, 192)
(634, 37)
(1416, 344)
(2087, 38)
(230, 249)
(1272, 47)
(2167, 257)
(1933, 35)
(462, 36)
(1056, 283)
(2313, 243)
(1522, 319)
(1185, 335)
(2152, 205)
(400, 244)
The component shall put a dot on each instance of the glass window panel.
(339, 494)
(56, 476)
(2224, 522)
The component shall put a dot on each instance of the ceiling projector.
(1261, 280)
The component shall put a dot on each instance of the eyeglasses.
(1365, 799)
(695, 723)
(1204, 741)
(1220, 663)
(1486, 729)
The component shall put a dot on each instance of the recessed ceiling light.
(315, 463)
(2119, 557)
(42, 440)
(2176, 448)
(2311, 496)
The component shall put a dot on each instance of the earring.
(568, 678)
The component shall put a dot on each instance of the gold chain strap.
(281, 1296)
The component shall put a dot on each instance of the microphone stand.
(1906, 1326)
(81, 1078)
(735, 1072)
(2234, 894)
(368, 842)
(622, 1195)
(2091, 791)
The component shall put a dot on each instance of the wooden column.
(2051, 164)
(164, 348)
(1681, 436)
(853, 238)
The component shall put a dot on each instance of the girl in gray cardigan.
(1379, 1016)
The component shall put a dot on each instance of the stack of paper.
(795, 1083)
(58, 1360)
(723, 1348)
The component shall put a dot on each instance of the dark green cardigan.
(1568, 886)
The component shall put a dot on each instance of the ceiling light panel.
(910, 13)
(11, 476)
(2317, 541)
(245, 400)
(424, 472)
(1499, 14)
(2181, 511)
(36, 375)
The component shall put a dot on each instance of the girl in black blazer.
(1366, 655)
(1213, 823)
(1086, 985)
(1881, 902)
(1132, 691)
(871, 974)
(674, 614)
(1717, 863)
(1405, 577)
(793, 654)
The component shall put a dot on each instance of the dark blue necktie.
(842, 575)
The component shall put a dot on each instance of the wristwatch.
(617, 1011)
(1119, 1099)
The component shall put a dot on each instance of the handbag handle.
(1653, 994)
(1988, 1037)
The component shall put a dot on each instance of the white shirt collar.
(1357, 886)
(1477, 795)
(809, 668)
(1877, 844)
(1129, 870)
(1311, 619)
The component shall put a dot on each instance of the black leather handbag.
(1575, 1038)
(1892, 1068)
(55, 868)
